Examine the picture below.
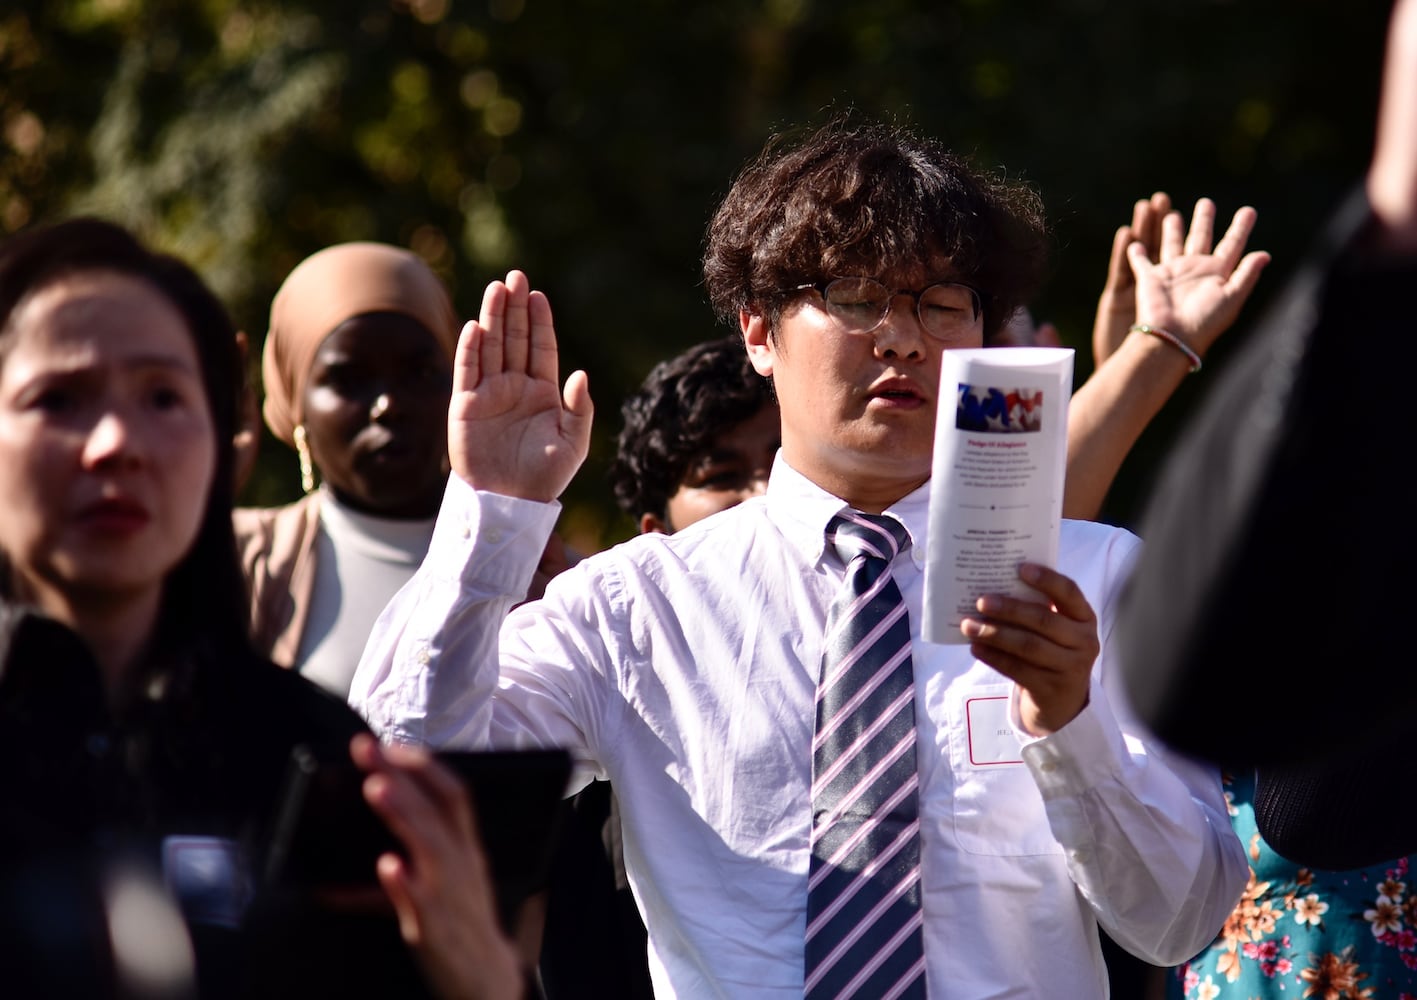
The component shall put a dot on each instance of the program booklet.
(996, 486)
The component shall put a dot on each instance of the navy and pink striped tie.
(863, 897)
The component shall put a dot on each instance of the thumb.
(579, 410)
(1246, 274)
(392, 872)
(576, 395)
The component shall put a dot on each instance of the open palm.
(511, 428)
(1192, 290)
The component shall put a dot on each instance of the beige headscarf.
(329, 287)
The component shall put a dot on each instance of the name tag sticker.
(992, 739)
(208, 877)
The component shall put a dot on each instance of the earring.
(307, 468)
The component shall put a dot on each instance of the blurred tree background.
(587, 142)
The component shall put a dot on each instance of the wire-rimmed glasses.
(860, 305)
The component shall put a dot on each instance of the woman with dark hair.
(134, 712)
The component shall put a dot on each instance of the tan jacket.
(277, 550)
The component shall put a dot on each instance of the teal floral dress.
(1300, 932)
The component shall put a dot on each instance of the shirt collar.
(802, 509)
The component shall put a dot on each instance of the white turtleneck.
(360, 563)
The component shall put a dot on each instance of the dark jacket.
(202, 754)
(1264, 624)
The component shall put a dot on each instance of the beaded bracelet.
(1173, 340)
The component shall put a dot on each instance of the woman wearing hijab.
(357, 377)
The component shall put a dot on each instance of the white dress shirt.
(684, 669)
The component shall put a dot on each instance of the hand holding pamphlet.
(996, 487)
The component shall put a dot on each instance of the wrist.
(1172, 341)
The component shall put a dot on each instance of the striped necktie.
(863, 897)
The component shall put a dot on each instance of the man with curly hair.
(961, 818)
(700, 436)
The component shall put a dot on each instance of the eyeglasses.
(860, 305)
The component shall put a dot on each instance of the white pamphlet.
(996, 486)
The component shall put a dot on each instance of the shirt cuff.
(1081, 756)
(499, 529)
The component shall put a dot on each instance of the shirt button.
(492, 535)
(466, 532)
(1048, 767)
(423, 656)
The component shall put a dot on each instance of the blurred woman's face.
(376, 415)
(107, 446)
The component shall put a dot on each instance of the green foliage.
(587, 141)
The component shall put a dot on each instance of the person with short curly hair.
(864, 197)
(964, 817)
(700, 435)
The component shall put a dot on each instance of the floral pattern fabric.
(1306, 933)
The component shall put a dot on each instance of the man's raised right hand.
(511, 430)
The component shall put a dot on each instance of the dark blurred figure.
(1288, 499)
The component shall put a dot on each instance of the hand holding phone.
(328, 839)
(440, 884)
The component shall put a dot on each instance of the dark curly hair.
(872, 199)
(682, 405)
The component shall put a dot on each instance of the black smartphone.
(327, 837)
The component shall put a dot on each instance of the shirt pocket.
(997, 809)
